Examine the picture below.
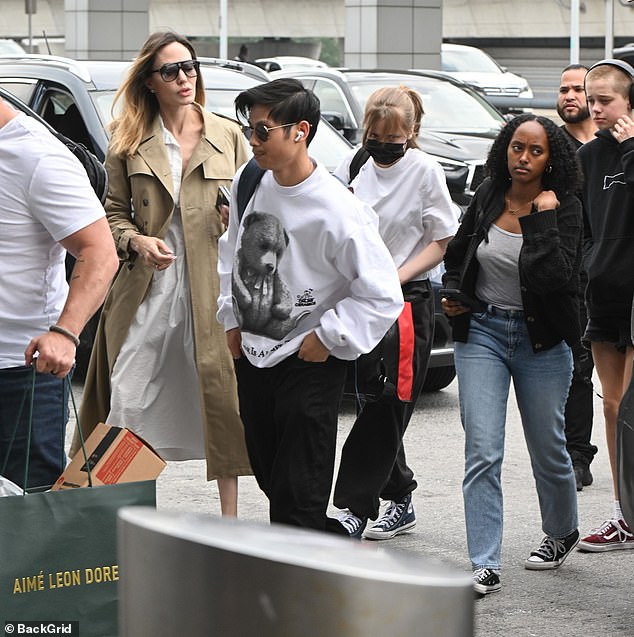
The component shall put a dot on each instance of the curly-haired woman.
(516, 255)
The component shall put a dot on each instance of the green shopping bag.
(58, 555)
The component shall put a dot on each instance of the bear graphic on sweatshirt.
(261, 299)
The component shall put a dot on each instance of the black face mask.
(384, 153)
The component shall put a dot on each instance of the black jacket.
(548, 265)
(608, 210)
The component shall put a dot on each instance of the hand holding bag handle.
(30, 393)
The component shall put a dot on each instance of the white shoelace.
(349, 521)
(622, 534)
(393, 513)
(551, 547)
(481, 574)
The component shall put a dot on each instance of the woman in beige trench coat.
(166, 160)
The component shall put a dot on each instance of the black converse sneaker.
(486, 580)
(552, 552)
(398, 518)
(351, 523)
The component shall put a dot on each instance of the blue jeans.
(498, 350)
(50, 415)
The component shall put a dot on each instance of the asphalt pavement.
(589, 595)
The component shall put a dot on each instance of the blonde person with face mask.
(160, 364)
(407, 189)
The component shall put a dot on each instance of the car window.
(58, 108)
(331, 100)
(447, 107)
(22, 90)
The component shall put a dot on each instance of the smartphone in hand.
(223, 198)
(453, 294)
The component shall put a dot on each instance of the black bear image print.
(262, 301)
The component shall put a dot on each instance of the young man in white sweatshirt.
(306, 285)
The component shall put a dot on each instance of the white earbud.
(299, 135)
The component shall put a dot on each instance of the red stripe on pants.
(406, 353)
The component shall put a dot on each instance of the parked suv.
(480, 70)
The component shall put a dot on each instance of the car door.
(56, 105)
(334, 107)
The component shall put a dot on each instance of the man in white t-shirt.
(47, 206)
(306, 284)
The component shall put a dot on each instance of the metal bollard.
(198, 575)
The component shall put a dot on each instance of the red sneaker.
(611, 536)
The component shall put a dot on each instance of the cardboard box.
(115, 454)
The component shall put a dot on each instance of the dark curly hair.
(564, 178)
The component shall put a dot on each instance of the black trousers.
(373, 462)
(579, 410)
(290, 415)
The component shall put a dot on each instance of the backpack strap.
(360, 157)
(249, 180)
(95, 170)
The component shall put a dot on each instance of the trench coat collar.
(211, 143)
(152, 149)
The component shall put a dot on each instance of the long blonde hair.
(399, 106)
(139, 107)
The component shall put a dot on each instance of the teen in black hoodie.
(608, 206)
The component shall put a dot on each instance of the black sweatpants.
(290, 415)
(580, 408)
(373, 463)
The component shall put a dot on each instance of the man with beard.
(572, 106)
(580, 128)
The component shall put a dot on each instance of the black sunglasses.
(261, 130)
(169, 72)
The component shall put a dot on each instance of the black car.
(458, 127)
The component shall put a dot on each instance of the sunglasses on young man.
(169, 72)
(261, 130)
